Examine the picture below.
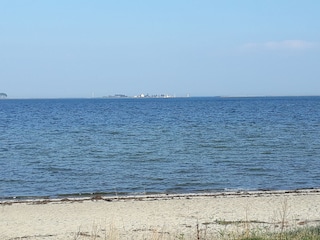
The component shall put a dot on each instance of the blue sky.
(74, 48)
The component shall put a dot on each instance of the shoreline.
(160, 216)
(160, 196)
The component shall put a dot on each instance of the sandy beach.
(158, 216)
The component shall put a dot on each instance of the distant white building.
(140, 96)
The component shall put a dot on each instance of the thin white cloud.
(282, 45)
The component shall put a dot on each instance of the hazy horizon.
(137, 97)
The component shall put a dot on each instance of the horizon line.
(134, 97)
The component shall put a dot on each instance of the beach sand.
(158, 216)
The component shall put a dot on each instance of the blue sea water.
(64, 147)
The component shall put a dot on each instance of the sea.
(56, 148)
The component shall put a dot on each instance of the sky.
(82, 48)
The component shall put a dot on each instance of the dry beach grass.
(237, 215)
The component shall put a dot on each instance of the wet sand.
(158, 216)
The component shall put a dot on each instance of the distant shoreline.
(179, 97)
